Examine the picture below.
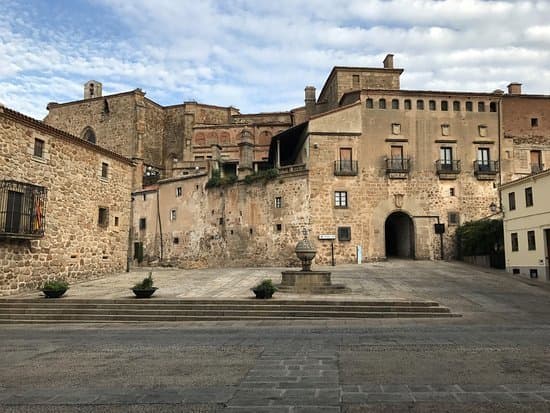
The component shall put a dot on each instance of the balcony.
(485, 170)
(398, 168)
(22, 212)
(345, 168)
(536, 168)
(447, 169)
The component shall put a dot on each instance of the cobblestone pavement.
(495, 358)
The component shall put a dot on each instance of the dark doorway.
(399, 231)
(547, 233)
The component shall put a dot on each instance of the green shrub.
(266, 286)
(265, 175)
(482, 237)
(216, 180)
(146, 284)
(55, 285)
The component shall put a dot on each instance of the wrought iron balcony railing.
(397, 165)
(22, 210)
(486, 167)
(345, 167)
(447, 167)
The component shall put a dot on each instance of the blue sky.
(258, 55)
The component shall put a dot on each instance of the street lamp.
(493, 207)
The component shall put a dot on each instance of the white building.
(526, 207)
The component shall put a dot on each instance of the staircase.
(66, 310)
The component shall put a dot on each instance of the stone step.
(251, 301)
(54, 318)
(222, 312)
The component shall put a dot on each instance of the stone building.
(526, 211)
(369, 168)
(64, 205)
(167, 141)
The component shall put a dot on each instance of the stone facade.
(78, 178)
(244, 224)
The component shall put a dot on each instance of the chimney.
(310, 100)
(92, 89)
(514, 88)
(388, 62)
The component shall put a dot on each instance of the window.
(176, 240)
(493, 107)
(142, 223)
(38, 148)
(512, 201)
(528, 197)
(514, 241)
(355, 80)
(446, 157)
(420, 104)
(453, 218)
(483, 160)
(221, 221)
(395, 104)
(369, 103)
(431, 104)
(344, 233)
(469, 106)
(103, 217)
(382, 103)
(179, 191)
(444, 105)
(88, 135)
(144, 196)
(534, 122)
(278, 202)
(22, 209)
(451, 191)
(116, 221)
(279, 227)
(104, 170)
(341, 199)
(531, 244)
(172, 215)
(456, 106)
(407, 104)
(536, 161)
(481, 106)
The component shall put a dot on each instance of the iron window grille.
(485, 167)
(345, 167)
(447, 166)
(22, 210)
(397, 165)
(344, 233)
(103, 217)
(38, 150)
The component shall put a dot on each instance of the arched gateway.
(399, 234)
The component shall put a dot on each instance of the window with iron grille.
(38, 148)
(278, 202)
(179, 191)
(344, 233)
(454, 218)
(469, 106)
(172, 215)
(341, 199)
(22, 210)
(103, 217)
(142, 223)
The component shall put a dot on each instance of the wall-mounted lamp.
(315, 145)
(495, 208)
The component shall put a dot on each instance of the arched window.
(395, 104)
(382, 103)
(444, 105)
(493, 106)
(408, 105)
(431, 104)
(369, 103)
(420, 104)
(88, 134)
(456, 106)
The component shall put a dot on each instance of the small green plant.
(55, 285)
(216, 180)
(265, 175)
(146, 284)
(265, 289)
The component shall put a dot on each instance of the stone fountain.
(307, 281)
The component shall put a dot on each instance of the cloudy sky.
(258, 55)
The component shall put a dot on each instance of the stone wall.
(74, 246)
(115, 129)
(235, 225)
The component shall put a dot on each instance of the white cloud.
(259, 55)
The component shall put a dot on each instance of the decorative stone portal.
(399, 233)
(307, 281)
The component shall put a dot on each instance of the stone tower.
(92, 89)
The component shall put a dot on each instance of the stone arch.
(225, 138)
(265, 138)
(399, 235)
(88, 134)
(200, 139)
(212, 138)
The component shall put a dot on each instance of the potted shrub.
(265, 289)
(145, 288)
(55, 288)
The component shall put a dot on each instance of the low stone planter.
(144, 293)
(54, 293)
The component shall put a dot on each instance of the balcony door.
(13, 212)
(446, 157)
(536, 161)
(397, 157)
(483, 159)
(345, 159)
